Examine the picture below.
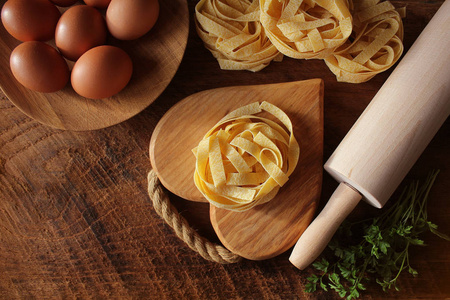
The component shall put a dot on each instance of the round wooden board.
(269, 229)
(156, 57)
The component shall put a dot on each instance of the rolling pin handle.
(319, 233)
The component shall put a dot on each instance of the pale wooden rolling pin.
(389, 136)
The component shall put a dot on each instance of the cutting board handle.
(319, 233)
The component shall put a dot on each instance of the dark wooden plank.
(76, 221)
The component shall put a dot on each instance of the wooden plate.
(269, 229)
(156, 57)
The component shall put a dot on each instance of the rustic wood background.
(76, 220)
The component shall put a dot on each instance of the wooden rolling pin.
(388, 137)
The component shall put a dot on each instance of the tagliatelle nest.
(231, 31)
(245, 159)
(306, 28)
(376, 46)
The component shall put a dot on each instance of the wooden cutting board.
(269, 229)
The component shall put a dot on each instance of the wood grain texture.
(319, 233)
(259, 233)
(156, 58)
(76, 221)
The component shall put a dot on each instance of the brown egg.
(64, 3)
(30, 20)
(79, 29)
(39, 67)
(101, 72)
(102, 4)
(131, 19)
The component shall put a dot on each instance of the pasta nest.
(232, 32)
(245, 159)
(357, 39)
(375, 45)
(306, 29)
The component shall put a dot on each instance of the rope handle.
(163, 207)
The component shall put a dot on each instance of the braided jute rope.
(183, 230)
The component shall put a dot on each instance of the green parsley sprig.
(383, 250)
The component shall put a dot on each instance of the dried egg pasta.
(376, 46)
(231, 31)
(306, 29)
(245, 159)
(357, 39)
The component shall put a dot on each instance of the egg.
(30, 20)
(102, 4)
(101, 72)
(131, 19)
(79, 29)
(64, 3)
(39, 67)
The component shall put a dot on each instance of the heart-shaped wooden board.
(269, 229)
(156, 57)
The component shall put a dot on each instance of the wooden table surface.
(76, 220)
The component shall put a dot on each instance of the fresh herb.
(383, 250)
